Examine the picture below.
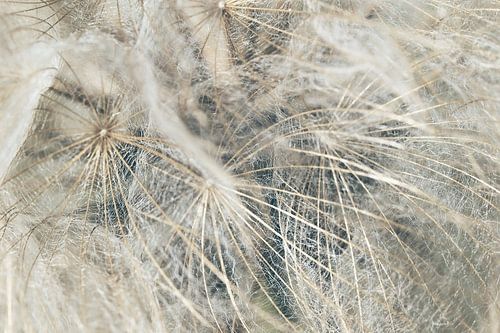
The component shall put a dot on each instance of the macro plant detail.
(249, 166)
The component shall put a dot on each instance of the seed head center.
(103, 133)
(221, 4)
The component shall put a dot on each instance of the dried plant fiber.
(249, 166)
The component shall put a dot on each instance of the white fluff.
(249, 166)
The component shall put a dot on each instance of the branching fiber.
(249, 166)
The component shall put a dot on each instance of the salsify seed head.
(249, 166)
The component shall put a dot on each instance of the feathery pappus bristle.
(249, 166)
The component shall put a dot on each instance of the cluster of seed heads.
(249, 166)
